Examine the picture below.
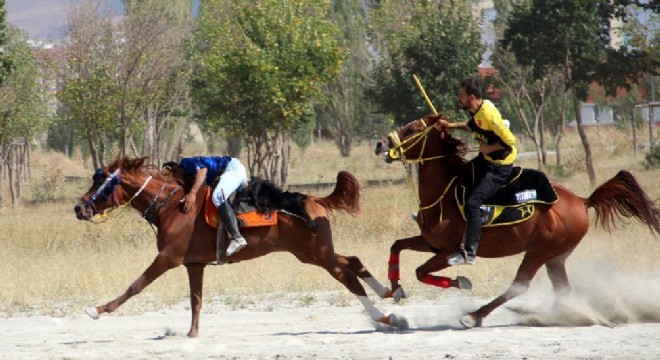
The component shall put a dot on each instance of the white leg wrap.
(376, 286)
(371, 309)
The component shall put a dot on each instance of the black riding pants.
(489, 178)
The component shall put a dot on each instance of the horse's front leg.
(196, 281)
(438, 263)
(416, 243)
(163, 262)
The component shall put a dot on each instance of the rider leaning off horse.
(232, 174)
(492, 167)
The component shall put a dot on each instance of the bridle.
(400, 147)
(107, 190)
(398, 152)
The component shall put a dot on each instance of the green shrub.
(49, 187)
(559, 170)
(652, 158)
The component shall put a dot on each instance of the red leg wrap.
(393, 268)
(439, 281)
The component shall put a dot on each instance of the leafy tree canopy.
(439, 41)
(260, 65)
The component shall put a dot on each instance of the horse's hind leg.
(354, 264)
(556, 269)
(196, 281)
(347, 278)
(528, 268)
(160, 265)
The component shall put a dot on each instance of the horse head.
(418, 141)
(116, 184)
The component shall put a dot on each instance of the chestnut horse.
(547, 238)
(187, 239)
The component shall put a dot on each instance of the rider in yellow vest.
(492, 167)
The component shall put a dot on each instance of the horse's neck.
(435, 177)
(155, 191)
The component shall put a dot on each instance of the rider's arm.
(191, 196)
(453, 125)
(200, 176)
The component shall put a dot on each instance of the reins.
(398, 151)
(105, 216)
(149, 214)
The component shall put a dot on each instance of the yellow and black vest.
(488, 128)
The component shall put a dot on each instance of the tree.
(260, 67)
(523, 95)
(127, 81)
(22, 111)
(440, 41)
(89, 94)
(347, 109)
(575, 36)
(528, 97)
(5, 63)
(150, 58)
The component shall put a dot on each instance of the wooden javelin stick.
(426, 98)
(428, 101)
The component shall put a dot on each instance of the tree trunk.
(544, 154)
(277, 159)
(12, 186)
(173, 151)
(234, 146)
(539, 155)
(92, 148)
(633, 123)
(585, 140)
(285, 160)
(558, 138)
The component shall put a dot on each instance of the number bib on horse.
(514, 202)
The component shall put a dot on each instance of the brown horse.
(187, 239)
(547, 238)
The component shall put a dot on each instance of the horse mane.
(454, 146)
(137, 165)
(266, 197)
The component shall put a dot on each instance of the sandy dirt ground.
(531, 327)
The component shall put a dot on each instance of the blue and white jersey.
(215, 166)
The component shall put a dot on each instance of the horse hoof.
(91, 311)
(399, 322)
(464, 283)
(469, 321)
(398, 294)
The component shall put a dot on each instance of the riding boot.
(228, 218)
(472, 235)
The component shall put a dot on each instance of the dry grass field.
(53, 264)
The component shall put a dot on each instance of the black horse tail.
(621, 196)
(345, 196)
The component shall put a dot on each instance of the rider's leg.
(490, 183)
(234, 177)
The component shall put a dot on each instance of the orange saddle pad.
(249, 219)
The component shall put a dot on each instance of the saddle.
(514, 202)
(247, 215)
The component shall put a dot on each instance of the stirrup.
(236, 245)
(461, 258)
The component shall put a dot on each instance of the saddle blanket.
(247, 219)
(514, 202)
